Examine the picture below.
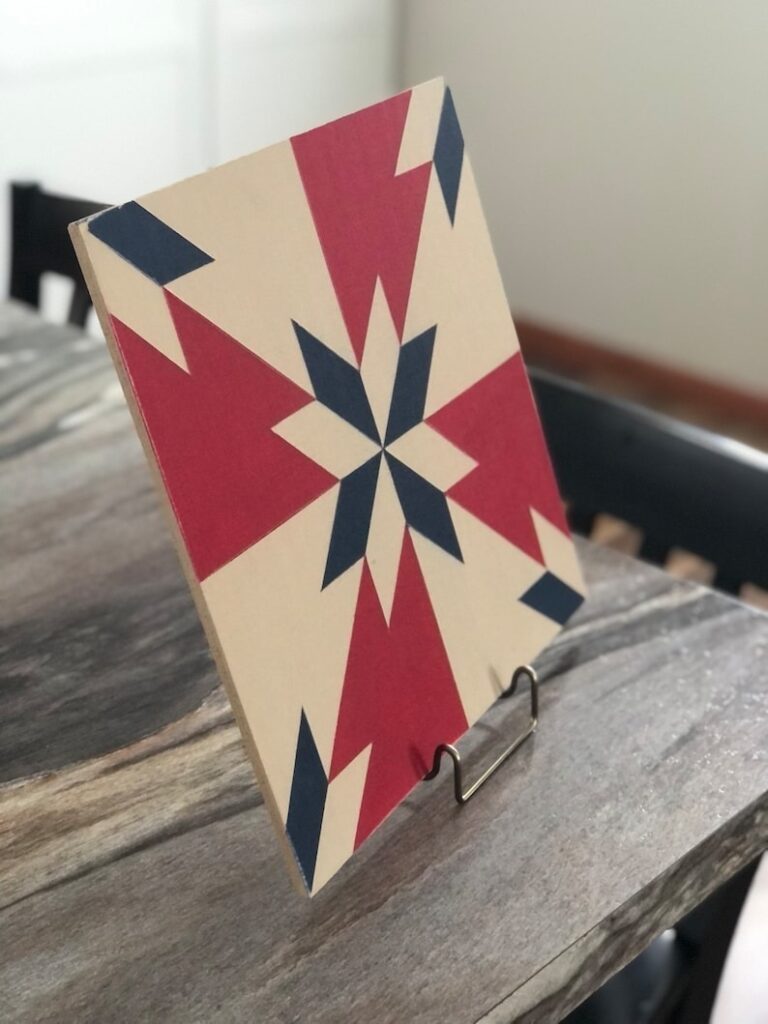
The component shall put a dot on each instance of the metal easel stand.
(463, 795)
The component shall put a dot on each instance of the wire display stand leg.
(463, 795)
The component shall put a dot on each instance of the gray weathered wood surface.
(139, 877)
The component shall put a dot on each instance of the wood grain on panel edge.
(76, 231)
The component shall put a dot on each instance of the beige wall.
(622, 151)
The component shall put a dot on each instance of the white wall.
(288, 65)
(622, 151)
(107, 99)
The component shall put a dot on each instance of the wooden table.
(139, 877)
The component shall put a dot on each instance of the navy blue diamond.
(146, 242)
(409, 394)
(352, 521)
(553, 598)
(449, 154)
(425, 507)
(307, 802)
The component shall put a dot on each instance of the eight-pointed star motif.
(366, 427)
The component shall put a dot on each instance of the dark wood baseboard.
(644, 379)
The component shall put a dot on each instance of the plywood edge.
(76, 232)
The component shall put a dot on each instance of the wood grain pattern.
(116, 637)
(139, 878)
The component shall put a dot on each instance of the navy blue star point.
(409, 394)
(352, 521)
(337, 384)
(425, 507)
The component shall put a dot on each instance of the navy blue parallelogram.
(352, 519)
(425, 508)
(336, 383)
(307, 803)
(553, 598)
(147, 243)
(409, 394)
(449, 154)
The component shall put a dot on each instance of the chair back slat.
(653, 549)
(683, 486)
(40, 244)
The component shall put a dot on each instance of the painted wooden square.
(317, 348)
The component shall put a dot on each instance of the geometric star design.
(387, 485)
(317, 347)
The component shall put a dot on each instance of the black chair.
(683, 487)
(675, 980)
(40, 244)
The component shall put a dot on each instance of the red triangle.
(368, 218)
(231, 480)
(399, 693)
(495, 421)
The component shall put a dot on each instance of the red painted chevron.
(399, 693)
(368, 218)
(495, 422)
(230, 479)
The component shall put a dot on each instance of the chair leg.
(24, 281)
(653, 550)
(711, 927)
(581, 520)
(79, 307)
(724, 581)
